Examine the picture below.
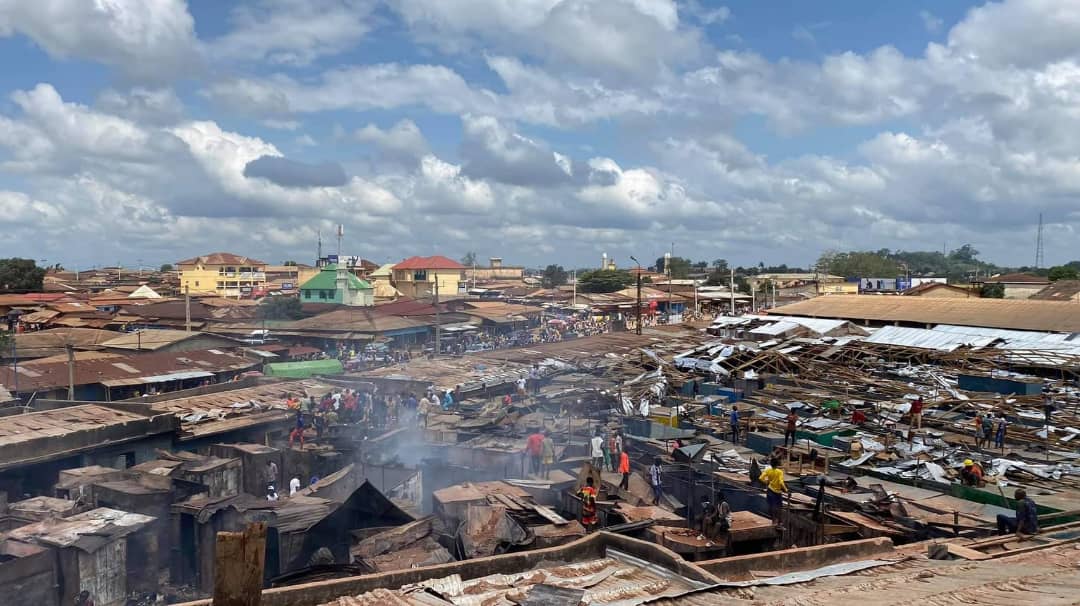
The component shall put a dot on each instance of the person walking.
(656, 480)
(624, 469)
(980, 431)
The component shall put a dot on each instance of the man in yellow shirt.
(773, 479)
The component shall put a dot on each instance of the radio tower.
(1039, 245)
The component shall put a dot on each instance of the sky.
(539, 131)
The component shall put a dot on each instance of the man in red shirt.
(534, 447)
(916, 413)
(588, 495)
(789, 431)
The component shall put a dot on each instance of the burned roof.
(87, 531)
(36, 436)
(213, 413)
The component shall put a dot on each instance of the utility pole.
(670, 277)
(731, 287)
(638, 327)
(438, 322)
(71, 370)
(575, 288)
(187, 308)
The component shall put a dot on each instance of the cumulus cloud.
(291, 173)
(150, 40)
(401, 142)
(292, 32)
(492, 150)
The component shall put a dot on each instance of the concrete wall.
(32, 578)
(590, 547)
(791, 560)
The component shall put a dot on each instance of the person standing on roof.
(547, 454)
(789, 431)
(271, 472)
(624, 469)
(597, 451)
(1026, 522)
(588, 495)
(534, 448)
(999, 432)
(656, 480)
(773, 479)
(294, 485)
(615, 448)
(916, 413)
(734, 419)
(980, 431)
(534, 378)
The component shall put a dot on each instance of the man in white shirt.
(294, 485)
(598, 451)
(521, 382)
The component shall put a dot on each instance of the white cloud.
(293, 32)
(601, 37)
(931, 22)
(146, 39)
(401, 142)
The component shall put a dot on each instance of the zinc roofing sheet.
(1016, 314)
(922, 338)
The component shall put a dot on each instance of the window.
(220, 284)
(196, 282)
(322, 294)
(420, 275)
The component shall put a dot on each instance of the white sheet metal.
(922, 338)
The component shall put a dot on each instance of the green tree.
(992, 291)
(678, 266)
(280, 308)
(20, 275)
(719, 275)
(553, 276)
(289, 263)
(165, 268)
(858, 264)
(469, 259)
(1063, 272)
(604, 280)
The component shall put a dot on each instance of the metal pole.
(731, 287)
(14, 363)
(187, 308)
(670, 277)
(71, 371)
(438, 315)
(575, 288)
(638, 313)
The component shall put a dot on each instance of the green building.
(337, 285)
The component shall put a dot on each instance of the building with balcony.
(421, 277)
(226, 274)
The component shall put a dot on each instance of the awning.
(174, 376)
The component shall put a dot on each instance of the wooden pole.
(71, 370)
(238, 566)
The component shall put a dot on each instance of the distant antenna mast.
(1039, 245)
(318, 256)
(340, 233)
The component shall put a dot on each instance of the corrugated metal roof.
(1017, 314)
(922, 338)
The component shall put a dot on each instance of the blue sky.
(536, 130)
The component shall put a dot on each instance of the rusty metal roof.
(1020, 314)
(88, 372)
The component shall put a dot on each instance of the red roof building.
(435, 262)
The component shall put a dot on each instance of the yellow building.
(838, 288)
(226, 274)
(417, 277)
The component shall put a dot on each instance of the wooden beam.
(238, 566)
